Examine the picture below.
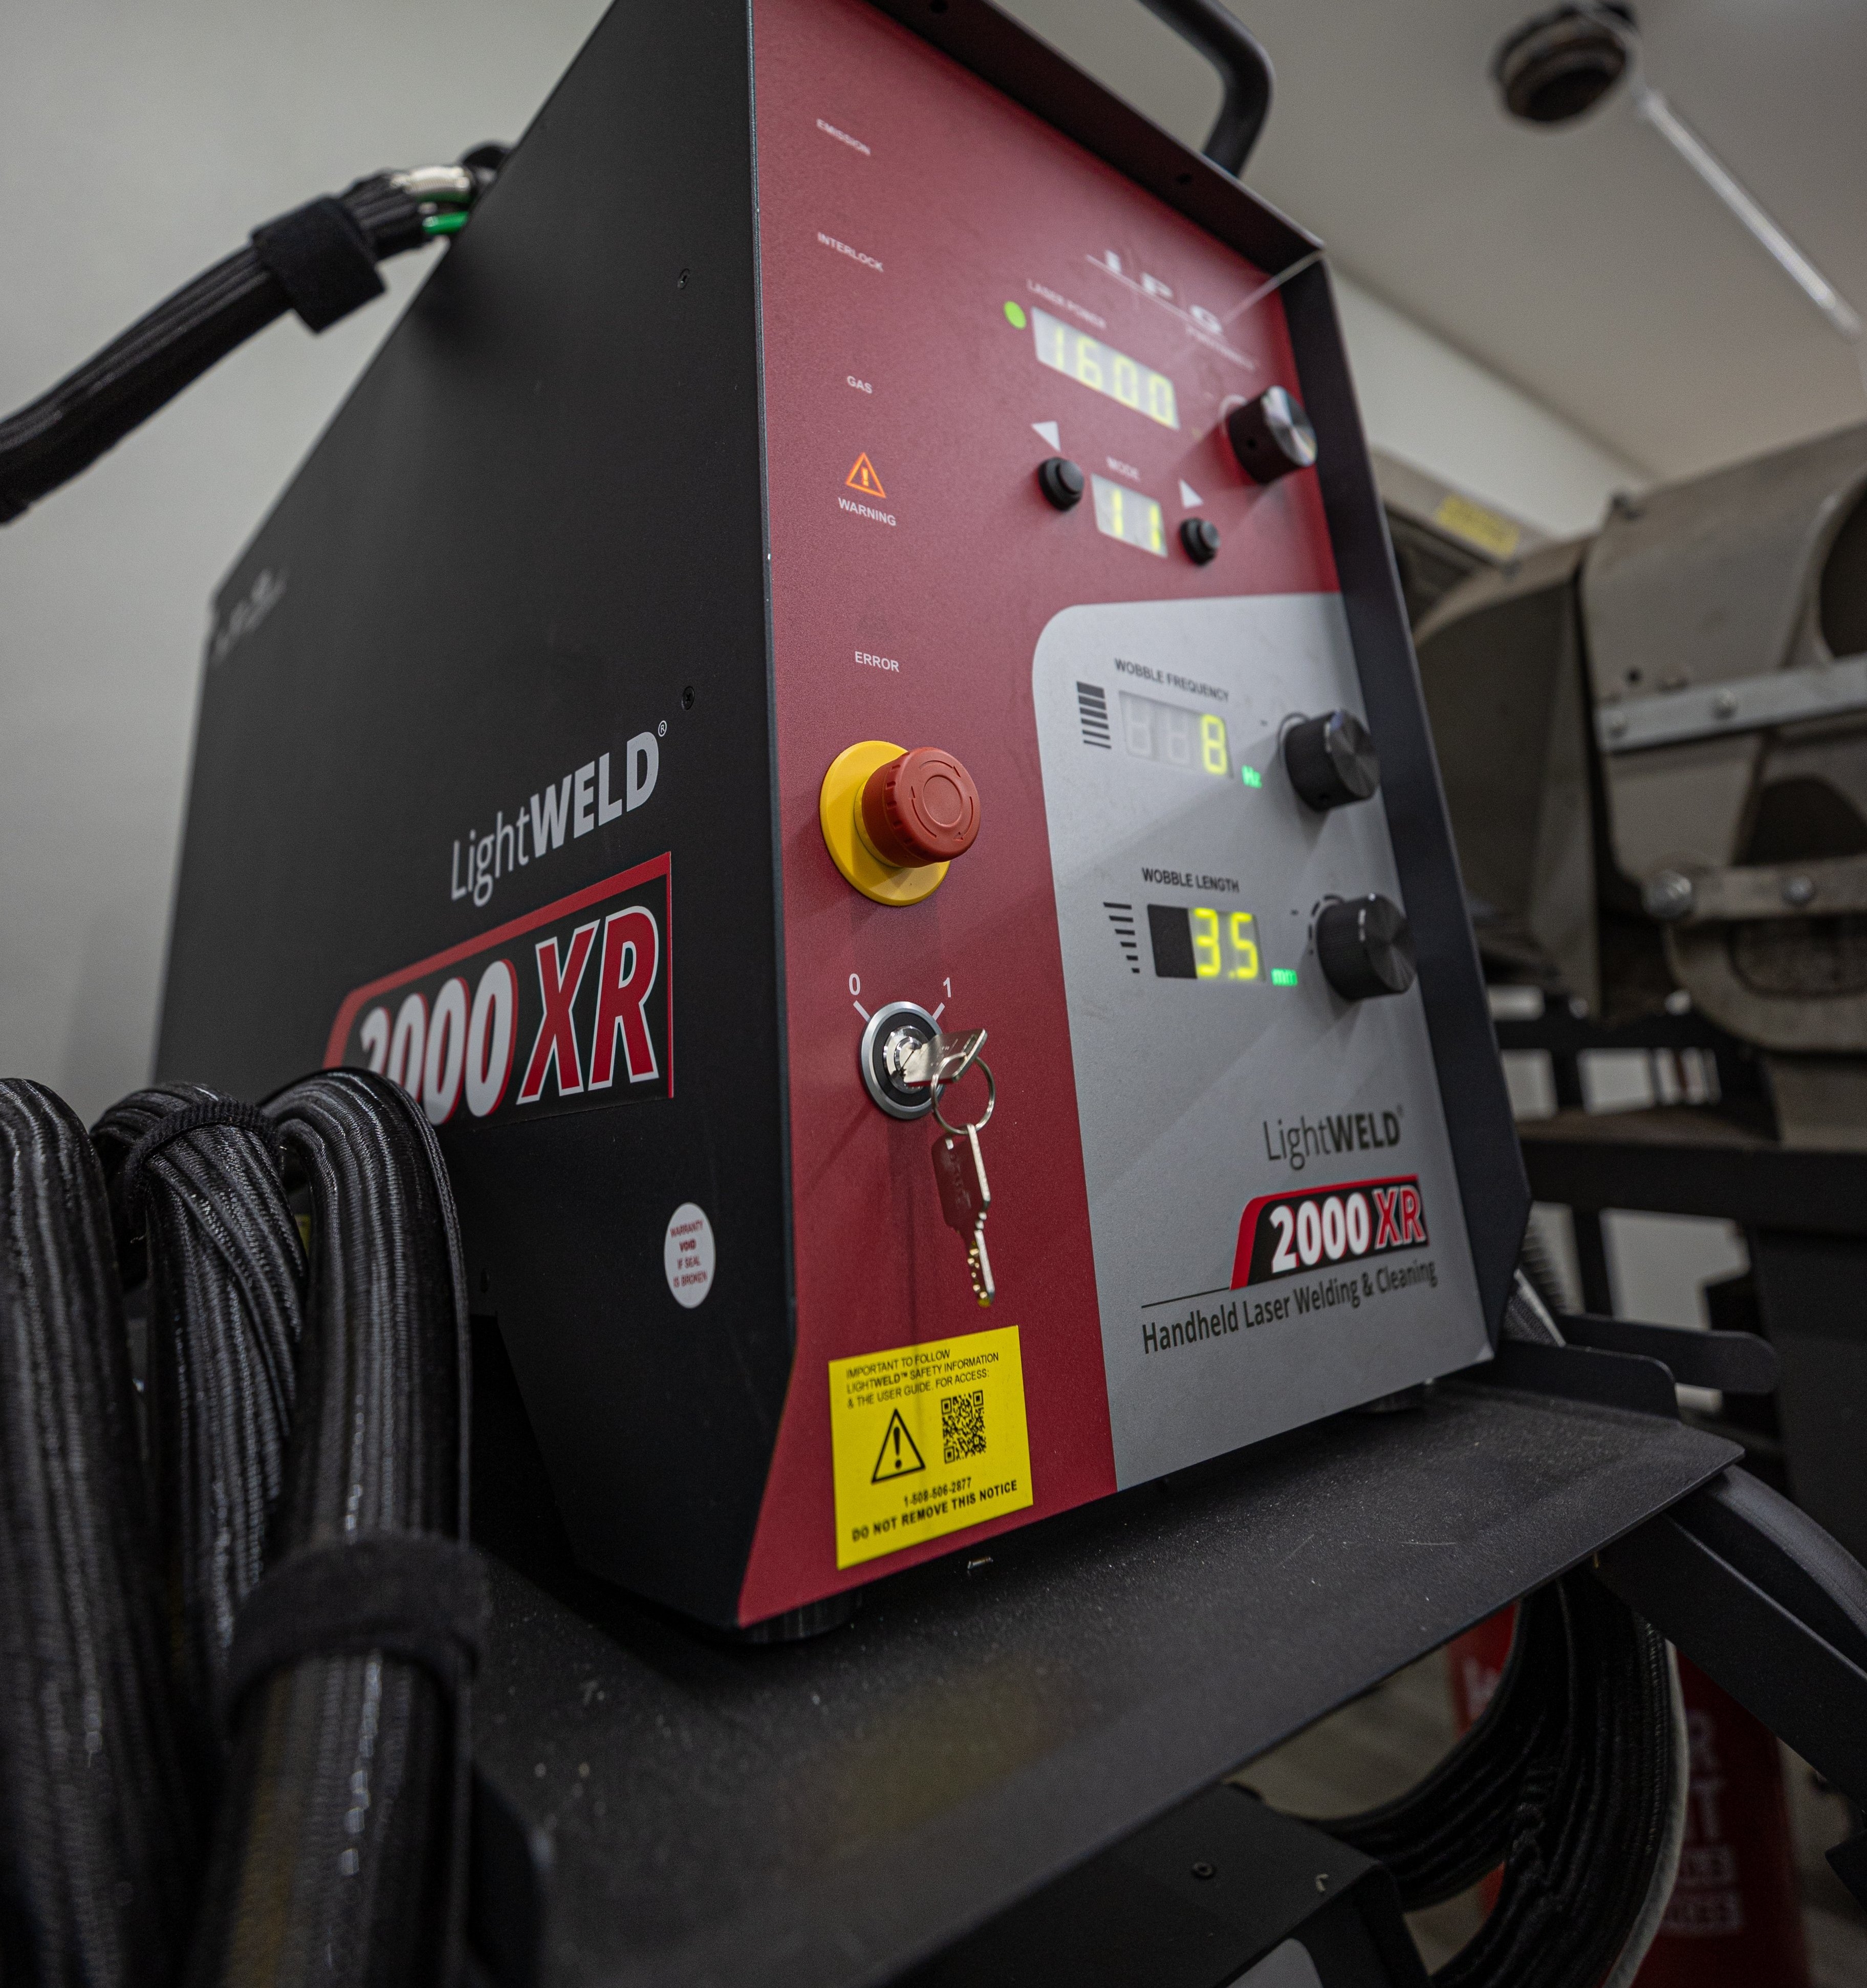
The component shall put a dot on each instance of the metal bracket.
(1610, 1380)
(1825, 889)
(1741, 1363)
(1768, 1606)
(1740, 704)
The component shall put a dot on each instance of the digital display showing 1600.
(1100, 368)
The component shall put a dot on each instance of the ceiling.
(1586, 264)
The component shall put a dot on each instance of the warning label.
(899, 1458)
(863, 478)
(926, 1440)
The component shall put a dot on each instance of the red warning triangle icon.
(899, 1458)
(863, 478)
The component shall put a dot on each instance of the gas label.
(569, 1006)
(926, 1440)
(1281, 1234)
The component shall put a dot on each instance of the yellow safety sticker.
(926, 1440)
(1477, 526)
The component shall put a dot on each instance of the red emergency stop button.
(921, 808)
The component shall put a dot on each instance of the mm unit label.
(926, 1440)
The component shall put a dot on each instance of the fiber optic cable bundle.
(236, 1642)
(1573, 1781)
(319, 260)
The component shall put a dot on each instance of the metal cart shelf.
(660, 1806)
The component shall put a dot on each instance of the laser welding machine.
(865, 541)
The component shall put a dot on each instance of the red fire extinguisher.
(1734, 1919)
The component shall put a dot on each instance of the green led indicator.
(1014, 316)
(1251, 776)
(1283, 976)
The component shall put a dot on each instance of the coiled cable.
(339, 1842)
(1568, 1780)
(226, 1277)
(98, 1833)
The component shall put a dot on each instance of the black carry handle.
(1243, 66)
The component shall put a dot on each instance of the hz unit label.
(926, 1440)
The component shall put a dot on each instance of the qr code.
(962, 1425)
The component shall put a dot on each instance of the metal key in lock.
(966, 1200)
(943, 1060)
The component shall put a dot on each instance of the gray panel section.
(1197, 1095)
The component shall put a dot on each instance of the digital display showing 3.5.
(1090, 362)
(1195, 942)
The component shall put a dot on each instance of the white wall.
(1426, 402)
(138, 142)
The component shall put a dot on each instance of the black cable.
(1567, 1780)
(98, 1836)
(1445, 1832)
(1538, 1264)
(226, 1270)
(340, 1844)
(1590, 1822)
(319, 259)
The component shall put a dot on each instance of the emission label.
(926, 1440)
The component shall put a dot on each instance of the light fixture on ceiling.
(1559, 65)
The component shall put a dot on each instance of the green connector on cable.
(443, 224)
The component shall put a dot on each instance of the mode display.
(1124, 514)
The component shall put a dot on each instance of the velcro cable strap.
(322, 259)
(415, 1595)
(191, 1118)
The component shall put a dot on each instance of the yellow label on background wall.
(926, 1440)
(1477, 526)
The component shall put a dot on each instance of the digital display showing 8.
(1196, 943)
(1173, 734)
(1094, 364)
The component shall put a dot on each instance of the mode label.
(926, 1440)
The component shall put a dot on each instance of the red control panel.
(955, 295)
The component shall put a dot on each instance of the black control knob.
(1271, 435)
(1061, 481)
(1331, 760)
(1366, 947)
(1200, 537)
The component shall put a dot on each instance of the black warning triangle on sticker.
(899, 1458)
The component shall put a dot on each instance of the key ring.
(978, 1063)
